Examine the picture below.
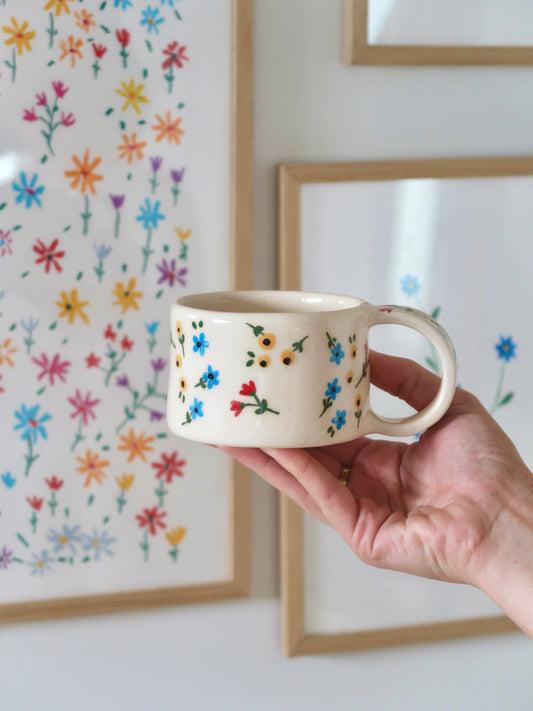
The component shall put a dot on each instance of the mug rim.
(284, 302)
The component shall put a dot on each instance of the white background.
(227, 655)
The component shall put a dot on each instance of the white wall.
(227, 656)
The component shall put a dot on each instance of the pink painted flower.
(5, 242)
(60, 89)
(52, 368)
(92, 360)
(67, 119)
(41, 99)
(30, 115)
(34, 502)
(83, 407)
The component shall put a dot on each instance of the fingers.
(403, 378)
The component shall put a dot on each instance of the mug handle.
(428, 327)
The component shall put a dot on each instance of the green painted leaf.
(436, 313)
(506, 399)
(249, 363)
(432, 365)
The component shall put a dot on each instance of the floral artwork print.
(97, 229)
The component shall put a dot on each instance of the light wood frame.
(358, 51)
(238, 585)
(295, 639)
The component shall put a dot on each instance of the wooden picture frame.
(240, 105)
(292, 178)
(357, 49)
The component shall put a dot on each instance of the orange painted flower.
(71, 307)
(92, 467)
(84, 20)
(136, 446)
(133, 94)
(83, 175)
(6, 350)
(182, 234)
(71, 48)
(131, 148)
(20, 35)
(169, 129)
(59, 6)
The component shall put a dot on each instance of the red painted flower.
(249, 389)
(52, 367)
(169, 466)
(67, 119)
(83, 406)
(99, 50)
(55, 483)
(92, 360)
(41, 99)
(34, 502)
(30, 115)
(126, 344)
(109, 333)
(49, 255)
(60, 89)
(123, 37)
(175, 54)
(237, 407)
(1, 388)
(151, 518)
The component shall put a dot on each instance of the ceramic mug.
(286, 369)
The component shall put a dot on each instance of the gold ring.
(344, 474)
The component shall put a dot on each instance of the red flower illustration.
(99, 50)
(48, 255)
(55, 483)
(249, 389)
(34, 502)
(236, 407)
(67, 119)
(83, 406)
(126, 344)
(52, 367)
(109, 333)
(92, 360)
(152, 519)
(30, 115)
(1, 388)
(169, 467)
(123, 37)
(59, 89)
(41, 99)
(175, 54)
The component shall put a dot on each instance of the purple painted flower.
(123, 381)
(168, 272)
(156, 162)
(117, 200)
(158, 364)
(6, 558)
(180, 276)
(156, 416)
(177, 175)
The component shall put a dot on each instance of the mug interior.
(269, 302)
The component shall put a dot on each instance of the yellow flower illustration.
(136, 446)
(176, 535)
(126, 295)
(59, 6)
(84, 20)
(125, 481)
(266, 341)
(183, 384)
(92, 467)
(131, 148)
(71, 48)
(133, 94)
(169, 129)
(83, 176)
(263, 361)
(287, 357)
(20, 35)
(6, 350)
(71, 307)
(181, 233)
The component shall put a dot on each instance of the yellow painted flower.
(179, 360)
(182, 234)
(59, 6)
(92, 467)
(353, 352)
(125, 481)
(71, 48)
(20, 35)
(358, 402)
(126, 295)
(176, 535)
(263, 361)
(136, 446)
(179, 328)
(131, 148)
(266, 341)
(133, 94)
(83, 176)
(169, 129)
(183, 384)
(349, 377)
(6, 350)
(71, 307)
(287, 357)
(84, 20)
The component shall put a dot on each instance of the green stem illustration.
(30, 457)
(146, 249)
(86, 215)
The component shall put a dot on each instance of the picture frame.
(314, 231)
(358, 49)
(234, 581)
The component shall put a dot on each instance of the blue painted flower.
(410, 285)
(340, 420)
(150, 214)
(123, 4)
(41, 563)
(67, 537)
(152, 327)
(506, 348)
(170, 2)
(8, 480)
(196, 409)
(210, 377)
(31, 423)
(102, 250)
(333, 389)
(337, 354)
(151, 19)
(2, 294)
(28, 192)
(98, 543)
(30, 325)
(200, 344)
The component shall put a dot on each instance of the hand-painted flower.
(99, 50)
(340, 420)
(59, 88)
(152, 518)
(127, 296)
(506, 348)
(248, 389)
(98, 543)
(210, 377)
(151, 19)
(337, 354)
(236, 407)
(65, 538)
(150, 214)
(35, 502)
(83, 175)
(41, 563)
(30, 423)
(71, 48)
(92, 467)
(28, 193)
(52, 368)
(49, 256)
(169, 466)
(136, 446)
(175, 54)
(196, 409)
(410, 285)
(333, 389)
(200, 344)
(71, 307)
(6, 558)
(133, 94)
(83, 407)
(54, 483)
(123, 36)
(20, 35)
(30, 115)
